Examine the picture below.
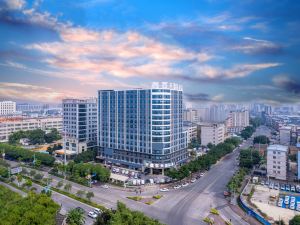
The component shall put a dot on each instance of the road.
(186, 206)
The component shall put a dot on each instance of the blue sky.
(220, 51)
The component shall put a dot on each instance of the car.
(97, 211)
(298, 206)
(293, 199)
(193, 180)
(292, 206)
(282, 187)
(92, 214)
(271, 186)
(276, 186)
(287, 187)
(287, 200)
(81, 210)
(201, 174)
(267, 183)
(293, 188)
(177, 186)
(262, 182)
(105, 186)
(280, 202)
(185, 184)
(164, 189)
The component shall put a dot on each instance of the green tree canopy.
(295, 220)
(261, 139)
(75, 217)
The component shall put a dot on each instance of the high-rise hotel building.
(142, 128)
(79, 124)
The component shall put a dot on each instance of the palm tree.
(75, 217)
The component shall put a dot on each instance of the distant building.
(7, 107)
(285, 135)
(277, 161)
(237, 121)
(217, 113)
(142, 128)
(11, 125)
(80, 124)
(213, 133)
(190, 115)
(298, 164)
(261, 148)
(191, 129)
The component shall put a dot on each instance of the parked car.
(97, 211)
(164, 189)
(177, 186)
(193, 180)
(262, 182)
(280, 201)
(201, 174)
(292, 206)
(287, 200)
(105, 186)
(282, 187)
(271, 185)
(276, 186)
(298, 206)
(287, 187)
(92, 215)
(293, 188)
(185, 184)
(267, 183)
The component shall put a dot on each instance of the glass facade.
(141, 127)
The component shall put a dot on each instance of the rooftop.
(281, 148)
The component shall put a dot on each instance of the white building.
(237, 121)
(11, 125)
(7, 107)
(277, 161)
(285, 135)
(212, 133)
(190, 115)
(191, 130)
(80, 124)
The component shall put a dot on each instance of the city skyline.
(219, 52)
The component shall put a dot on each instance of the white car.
(292, 206)
(286, 200)
(280, 202)
(293, 199)
(193, 180)
(185, 184)
(177, 187)
(92, 215)
(164, 189)
(298, 206)
(105, 186)
(97, 211)
(201, 174)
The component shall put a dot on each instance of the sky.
(220, 51)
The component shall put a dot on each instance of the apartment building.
(191, 130)
(79, 124)
(213, 133)
(237, 121)
(7, 107)
(277, 161)
(142, 128)
(14, 124)
(285, 135)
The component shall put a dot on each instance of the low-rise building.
(191, 130)
(11, 125)
(213, 133)
(277, 161)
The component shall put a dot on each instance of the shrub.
(135, 198)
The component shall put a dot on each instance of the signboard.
(15, 170)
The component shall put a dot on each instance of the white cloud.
(15, 4)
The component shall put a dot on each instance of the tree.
(3, 172)
(60, 184)
(53, 135)
(261, 139)
(295, 220)
(75, 217)
(68, 187)
(249, 158)
(37, 163)
(19, 179)
(38, 176)
(32, 172)
(86, 156)
(28, 183)
(90, 195)
(80, 193)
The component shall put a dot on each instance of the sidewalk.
(244, 215)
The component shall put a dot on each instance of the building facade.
(285, 135)
(191, 130)
(213, 133)
(79, 124)
(277, 161)
(191, 115)
(7, 107)
(237, 121)
(142, 128)
(11, 125)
